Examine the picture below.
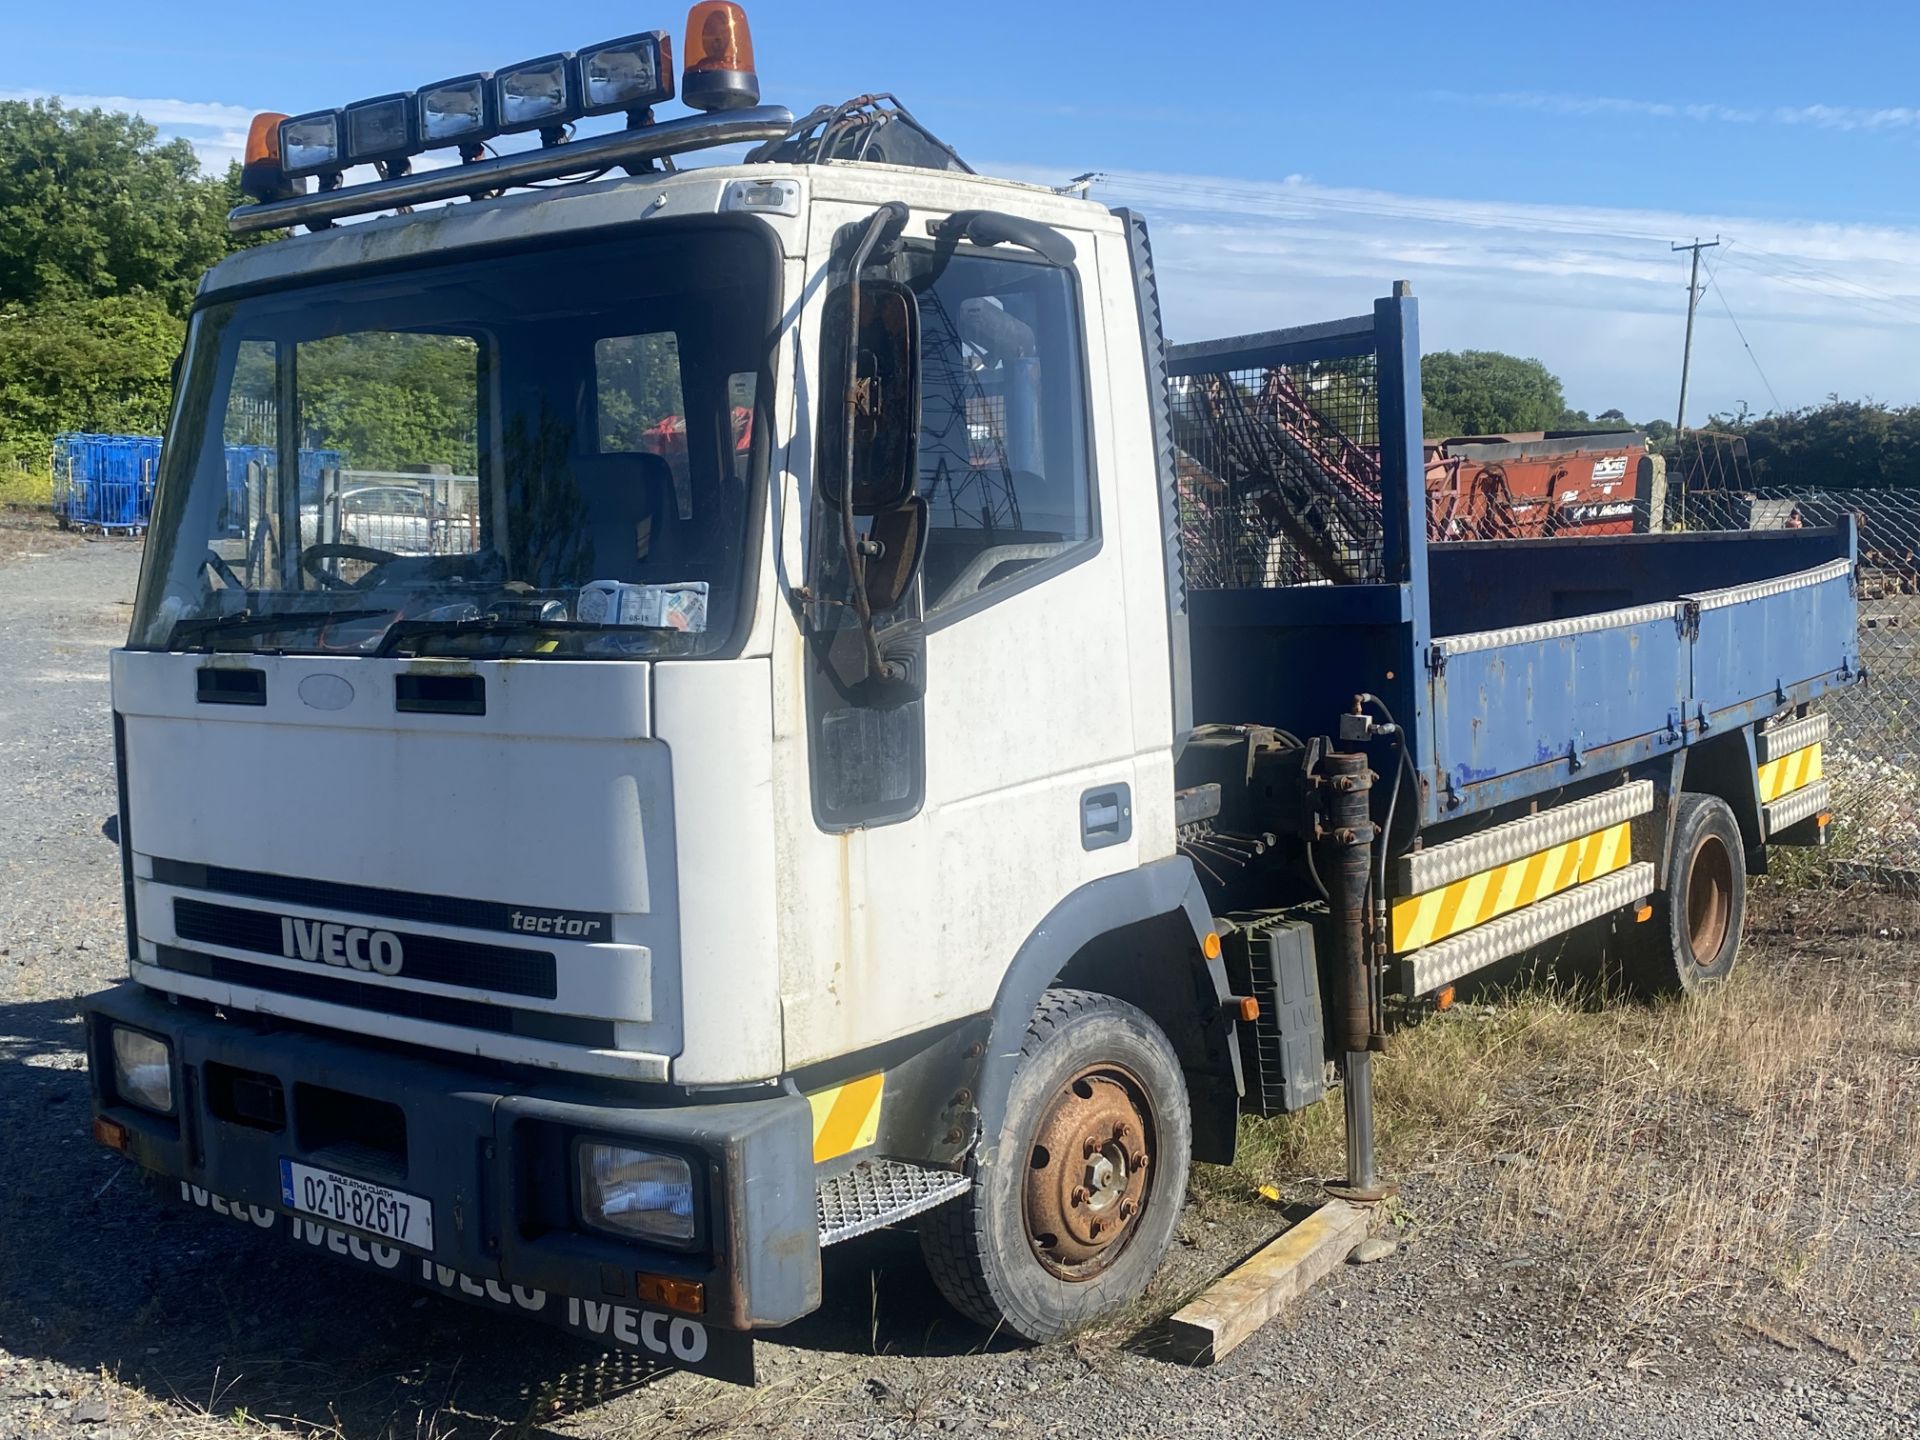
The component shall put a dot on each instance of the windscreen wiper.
(401, 631)
(242, 622)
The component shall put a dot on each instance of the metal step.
(879, 1192)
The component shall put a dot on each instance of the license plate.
(377, 1209)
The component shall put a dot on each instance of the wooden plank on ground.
(1252, 1293)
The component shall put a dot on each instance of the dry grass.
(29, 532)
(1742, 1142)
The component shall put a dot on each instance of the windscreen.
(551, 453)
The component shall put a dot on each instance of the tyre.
(1074, 1202)
(1693, 938)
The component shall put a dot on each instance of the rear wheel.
(1074, 1202)
(1694, 936)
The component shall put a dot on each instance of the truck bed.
(1517, 667)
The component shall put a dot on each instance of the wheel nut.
(1087, 1147)
(1079, 1194)
(1126, 1209)
(1095, 1228)
(1119, 1132)
(1140, 1161)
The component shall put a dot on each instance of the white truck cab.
(397, 816)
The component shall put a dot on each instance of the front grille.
(422, 957)
(385, 1000)
(590, 925)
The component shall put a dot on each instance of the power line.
(1837, 289)
(1713, 282)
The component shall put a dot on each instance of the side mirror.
(897, 542)
(884, 445)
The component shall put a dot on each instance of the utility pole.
(1686, 354)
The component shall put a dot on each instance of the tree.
(94, 204)
(388, 400)
(102, 364)
(1843, 444)
(1485, 392)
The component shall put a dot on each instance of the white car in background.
(398, 519)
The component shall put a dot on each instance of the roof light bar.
(649, 142)
(630, 73)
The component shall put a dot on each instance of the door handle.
(1106, 817)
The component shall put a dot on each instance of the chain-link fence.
(1872, 758)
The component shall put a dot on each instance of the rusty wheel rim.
(1088, 1173)
(1709, 893)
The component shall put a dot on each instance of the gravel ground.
(120, 1318)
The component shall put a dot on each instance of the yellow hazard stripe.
(845, 1117)
(1791, 772)
(1422, 919)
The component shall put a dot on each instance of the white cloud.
(1554, 103)
(1594, 292)
(1885, 118)
(217, 131)
(1850, 117)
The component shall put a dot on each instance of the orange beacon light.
(719, 58)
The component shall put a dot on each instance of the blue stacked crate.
(239, 457)
(105, 482)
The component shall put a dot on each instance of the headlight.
(381, 129)
(456, 112)
(310, 144)
(537, 94)
(641, 1193)
(142, 1070)
(625, 74)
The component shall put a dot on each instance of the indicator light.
(689, 1297)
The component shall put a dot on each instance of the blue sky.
(1526, 166)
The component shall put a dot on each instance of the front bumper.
(495, 1159)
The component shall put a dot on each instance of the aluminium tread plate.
(1792, 808)
(1775, 585)
(880, 1192)
(1794, 735)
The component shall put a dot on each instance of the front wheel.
(1694, 936)
(1074, 1202)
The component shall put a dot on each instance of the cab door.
(938, 833)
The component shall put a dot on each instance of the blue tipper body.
(1517, 667)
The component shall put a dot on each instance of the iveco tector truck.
(859, 731)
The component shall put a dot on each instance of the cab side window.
(1004, 461)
